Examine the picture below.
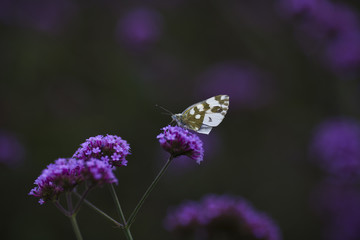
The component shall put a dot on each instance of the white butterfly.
(201, 117)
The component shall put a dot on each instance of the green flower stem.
(148, 191)
(120, 212)
(100, 211)
(69, 201)
(61, 208)
(128, 233)
(75, 227)
(82, 198)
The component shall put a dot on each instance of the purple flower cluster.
(335, 26)
(110, 148)
(179, 141)
(61, 176)
(65, 174)
(221, 217)
(93, 163)
(336, 147)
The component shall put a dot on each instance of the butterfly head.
(177, 119)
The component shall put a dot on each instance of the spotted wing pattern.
(203, 116)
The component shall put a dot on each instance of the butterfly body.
(201, 117)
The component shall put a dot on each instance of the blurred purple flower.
(245, 84)
(110, 148)
(185, 219)
(47, 16)
(7, 9)
(248, 12)
(334, 27)
(61, 176)
(179, 141)
(139, 28)
(11, 150)
(337, 204)
(336, 147)
(343, 53)
(296, 7)
(221, 217)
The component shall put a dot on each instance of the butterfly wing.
(219, 106)
(203, 116)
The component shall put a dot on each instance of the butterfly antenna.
(167, 111)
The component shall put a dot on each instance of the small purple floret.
(179, 141)
(109, 148)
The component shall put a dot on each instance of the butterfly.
(201, 117)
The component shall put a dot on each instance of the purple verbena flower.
(221, 217)
(336, 147)
(61, 176)
(179, 141)
(98, 172)
(109, 148)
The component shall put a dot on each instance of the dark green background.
(57, 89)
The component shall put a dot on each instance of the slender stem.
(83, 196)
(128, 233)
(117, 203)
(100, 211)
(75, 227)
(120, 212)
(148, 191)
(69, 201)
(61, 208)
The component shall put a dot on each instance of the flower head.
(110, 148)
(61, 176)
(98, 172)
(221, 217)
(336, 146)
(179, 141)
